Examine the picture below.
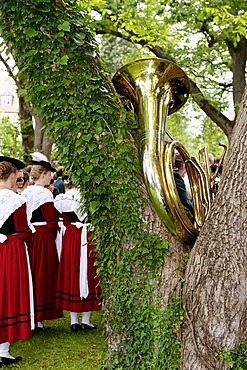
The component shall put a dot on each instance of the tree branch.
(9, 70)
(214, 114)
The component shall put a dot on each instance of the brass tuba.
(158, 87)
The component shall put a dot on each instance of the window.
(7, 99)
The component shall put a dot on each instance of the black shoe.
(39, 329)
(75, 328)
(8, 361)
(86, 327)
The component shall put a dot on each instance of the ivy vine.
(237, 358)
(64, 81)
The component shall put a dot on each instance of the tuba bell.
(157, 88)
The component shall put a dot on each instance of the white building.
(9, 102)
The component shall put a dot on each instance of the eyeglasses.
(19, 179)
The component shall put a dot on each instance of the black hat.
(45, 164)
(18, 164)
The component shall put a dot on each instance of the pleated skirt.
(68, 286)
(15, 320)
(44, 267)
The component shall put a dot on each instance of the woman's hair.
(28, 168)
(59, 171)
(25, 175)
(68, 184)
(6, 168)
(37, 171)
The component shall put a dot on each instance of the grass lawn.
(60, 348)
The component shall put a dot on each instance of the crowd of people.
(47, 257)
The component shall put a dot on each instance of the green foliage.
(94, 137)
(231, 18)
(148, 335)
(10, 138)
(211, 137)
(237, 359)
(151, 341)
(199, 36)
(115, 52)
(136, 19)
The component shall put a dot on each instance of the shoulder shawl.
(70, 202)
(9, 203)
(35, 197)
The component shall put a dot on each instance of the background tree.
(32, 136)
(25, 117)
(10, 138)
(208, 40)
(141, 279)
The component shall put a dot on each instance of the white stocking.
(86, 318)
(39, 324)
(4, 350)
(74, 318)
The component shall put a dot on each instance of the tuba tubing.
(158, 87)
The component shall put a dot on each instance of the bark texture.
(27, 131)
(174, 264)
(216, 290)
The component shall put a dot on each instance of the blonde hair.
(37, 171)
(68, 184)
(6, 169)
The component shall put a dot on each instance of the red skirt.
(15, 321)
(68, 287)
(44, 267)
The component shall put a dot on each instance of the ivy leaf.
(98, 130)
(30, 32)
(65, 26)
(94, 206)
(63, 60)
(30, 53)
(87, 169)
(22, 92)
(79, 39)
(86, 137)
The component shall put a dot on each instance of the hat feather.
(37, 156)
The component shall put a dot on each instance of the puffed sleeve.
(51, 216)
(21, 225)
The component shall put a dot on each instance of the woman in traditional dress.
(16, 294)
(42, 252)
(78, 288)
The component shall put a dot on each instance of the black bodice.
(8, 227)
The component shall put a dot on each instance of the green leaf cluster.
(237, 358)
(10, 138)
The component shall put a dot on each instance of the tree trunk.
(174, 265)
(238, 54)
(42, 142)
(47, 145)
(27, 130)
(38, 133)
(216, 291)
